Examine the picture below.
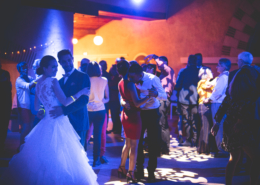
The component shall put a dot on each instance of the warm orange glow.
(98, 40)
(5, 53)
(34, 47)
(24, 50)
(18, 52)
(12, 52)
(74, 41)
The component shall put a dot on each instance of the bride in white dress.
(52, 153)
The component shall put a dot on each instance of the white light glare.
(98, 40)
(74, 41)
(138, 1)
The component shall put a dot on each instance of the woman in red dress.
(131, 120)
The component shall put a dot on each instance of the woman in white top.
(24, 84)
(99, 95)
(217, 96)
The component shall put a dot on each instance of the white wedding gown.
(52, 153)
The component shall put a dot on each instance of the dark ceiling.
(153, 9)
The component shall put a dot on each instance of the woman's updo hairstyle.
(45, 62)
(122, 67)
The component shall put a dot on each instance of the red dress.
(131, 119)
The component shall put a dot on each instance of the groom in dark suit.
(71, 83)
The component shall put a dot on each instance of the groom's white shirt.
(69, 73)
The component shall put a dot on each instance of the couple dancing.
(52, 153)
(140, 95)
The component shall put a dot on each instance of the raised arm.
(61, 96)
(138, 102)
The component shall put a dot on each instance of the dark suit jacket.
(245, 87)
(77, 111)
(186, 86)
(245, 84)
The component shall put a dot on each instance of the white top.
(97, 92)
(219, 91)
(150, 80)
(23, 93)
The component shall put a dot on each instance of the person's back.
(125, 93)
(187, 86)
(245, 84)
(47, 95)
(96, 96)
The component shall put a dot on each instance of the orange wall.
(11, 68)
(198, 27)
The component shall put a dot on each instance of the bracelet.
(35, 82)
(42, 109)
(73, 98)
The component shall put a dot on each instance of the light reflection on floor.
(184, 154)
(180, 154)
(168, 174)
(172, 175)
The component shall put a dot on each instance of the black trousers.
(4, 122)
(206, 142)
(189, 120)
(165, 132)
(150, 121)
(114, 107)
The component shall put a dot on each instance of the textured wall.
(198, 27)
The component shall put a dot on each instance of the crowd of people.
(219, 115)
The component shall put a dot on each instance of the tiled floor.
(182, 166)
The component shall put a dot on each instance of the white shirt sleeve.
(220, 88)
(161, 92)
(22, 84)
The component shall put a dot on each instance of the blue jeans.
(97, 118)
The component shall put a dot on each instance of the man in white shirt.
(150, 116)
(218, 95)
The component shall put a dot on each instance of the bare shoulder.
(130, 85)
(104, 78)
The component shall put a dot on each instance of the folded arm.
(137, 101)
(219, 89)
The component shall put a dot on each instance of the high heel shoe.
(129, 177)
(121, 172)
